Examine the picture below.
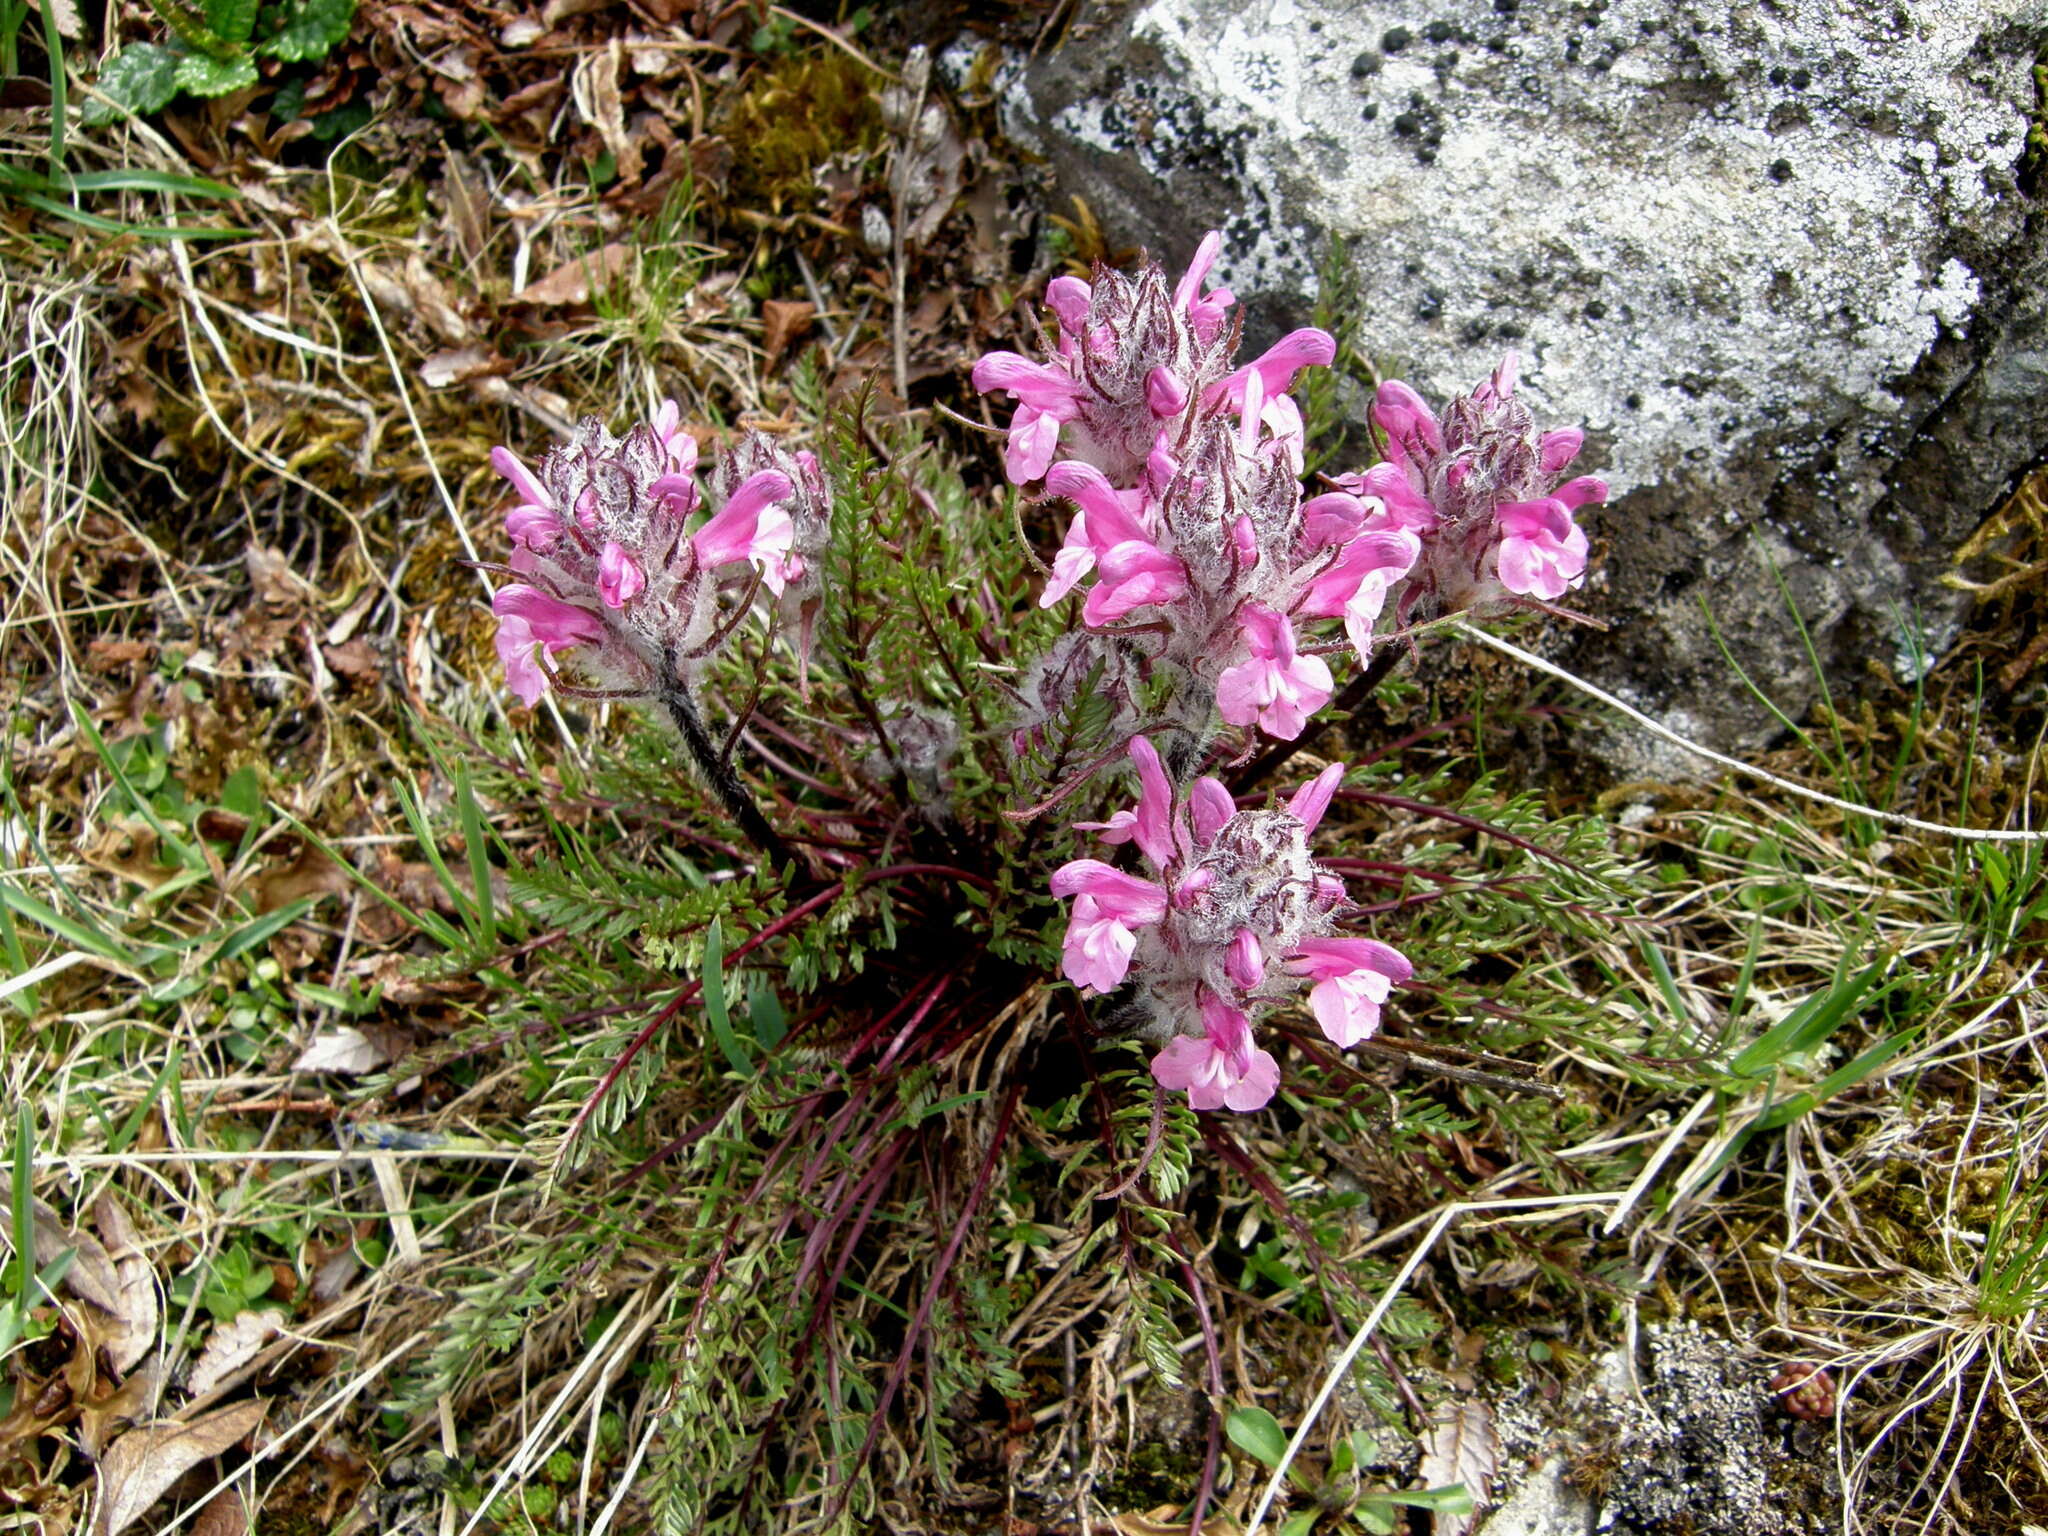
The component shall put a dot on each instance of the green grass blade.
(239, 941)
(478, 849)
(187, 855)
(124, 1137)
(715, 1010)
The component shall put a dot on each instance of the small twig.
(1664, 733)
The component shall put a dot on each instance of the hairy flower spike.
(1480, 487)
(1237, 915)
(612, 571)
(1185, 479)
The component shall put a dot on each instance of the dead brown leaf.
(140, 1467)
(97, 1420)
(231, 1346)
(226, 1514)
(782, 322)
(312, 873)
(131, 1333)
(357, 660)
(571, 283)
(1461, 1447)
(458, 365)
(272, 576)
(105, 654)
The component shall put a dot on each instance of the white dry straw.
(1665, 733)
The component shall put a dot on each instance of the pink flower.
(1355, 584)
(1108, 905)
(1541, 549)
(1134, 571)
(619, 577)
(1478, 485)
(1278, 364)
(1205, 312)
(1220, 1069)
(528, 617)
(1352, 979)
(1276, 687)
(1045, 398)
(1151, 821)
(751, 527)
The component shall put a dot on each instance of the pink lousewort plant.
(1185, 476)
(611, 569)
(619, 567)
(1237, 915)
(1485, 492)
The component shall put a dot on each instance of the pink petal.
(1209, 807)
(1313, 798)
(1098, 948)
(1165, 394)
(736, 532)
(556, 624)
(507, 464)
(1331, 518)
(1324, 958)
(1034, 438)
(1039, 385)
(1068, 298)
(1305, 348)
(619, 577)
(1559, 448)
(1256, 1087)
(1123, 896)
(1578, 493)
(1154, 830)
(1190, 286)
(1188, 1064)
(535, 527)
(1245, 961)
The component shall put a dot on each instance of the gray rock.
(1774, 258)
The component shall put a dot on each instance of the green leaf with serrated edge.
(188, 26)
(1257, 1433)
(214, 77)
(312, 29)
(231, 20)
(141, 78)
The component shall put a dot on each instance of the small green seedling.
(1258, 1434)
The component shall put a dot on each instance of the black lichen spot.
(1431, 305)
(1439, 31)
(1781, 170)
(1595, 310)
(1396, 39)
(1407, 124)
(1472, 332)
(1365, 65)
(1509, 330)
(1801, 79)
(1633, 401)
(1370, 111)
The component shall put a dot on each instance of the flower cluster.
(1484, 492)
(1186, 479)
(1239, 914)
(610, 566)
